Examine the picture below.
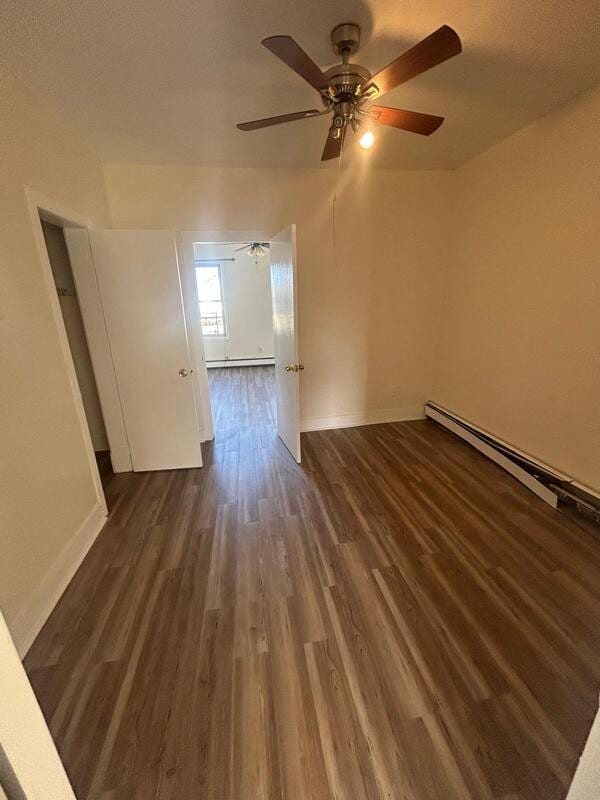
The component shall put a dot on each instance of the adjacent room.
(234, 292)
(300, 400)
(233, 280)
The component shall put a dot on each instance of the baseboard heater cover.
(557, 489)
(241, 362)
(498, 452)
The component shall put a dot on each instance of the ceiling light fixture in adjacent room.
(254, 249)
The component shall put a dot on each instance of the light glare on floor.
(366, 140)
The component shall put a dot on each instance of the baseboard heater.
(267, 361)
(556, 489)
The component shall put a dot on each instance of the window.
(210, 296)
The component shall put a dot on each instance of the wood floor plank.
(345, 748)
(255, 758)
(394, 619)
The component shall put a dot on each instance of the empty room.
(236, 318)
(300, 400)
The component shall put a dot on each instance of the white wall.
(248, 311)
(46, 489)
(69, 304)
(520, 333)
(368, 312)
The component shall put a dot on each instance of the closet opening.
(58, 256)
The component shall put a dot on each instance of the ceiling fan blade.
(243, 247)
(290, 52)
(436, 48)
(413, 121)
(268, 121)
(333, 147)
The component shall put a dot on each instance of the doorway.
(233, 285)
(284, 320)
(62, 272)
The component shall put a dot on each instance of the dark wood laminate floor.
(396, 618)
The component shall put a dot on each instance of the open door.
(287, 368)
(139, 282)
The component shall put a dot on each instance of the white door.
(139, 282)
(283, 287)
(196, 341)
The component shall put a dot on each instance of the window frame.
(213, 336)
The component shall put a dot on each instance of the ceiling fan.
(254, 249)
(347, 88)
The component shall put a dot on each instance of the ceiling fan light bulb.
(366, 140)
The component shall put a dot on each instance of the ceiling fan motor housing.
(344, 80)
(345, 39)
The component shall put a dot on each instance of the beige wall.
(367, 321)
(46, 489)
(519, 347)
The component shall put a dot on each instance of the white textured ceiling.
(165, 82)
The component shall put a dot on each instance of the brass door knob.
(294, 367)
(289, 368)
(183, 373)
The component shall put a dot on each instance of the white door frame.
(185, 243)
(30, 766)
(55, 212)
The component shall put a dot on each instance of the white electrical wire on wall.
(334, 201)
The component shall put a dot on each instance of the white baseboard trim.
(241, 362)
(514, 469)
(31, 619)
(363, 418)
